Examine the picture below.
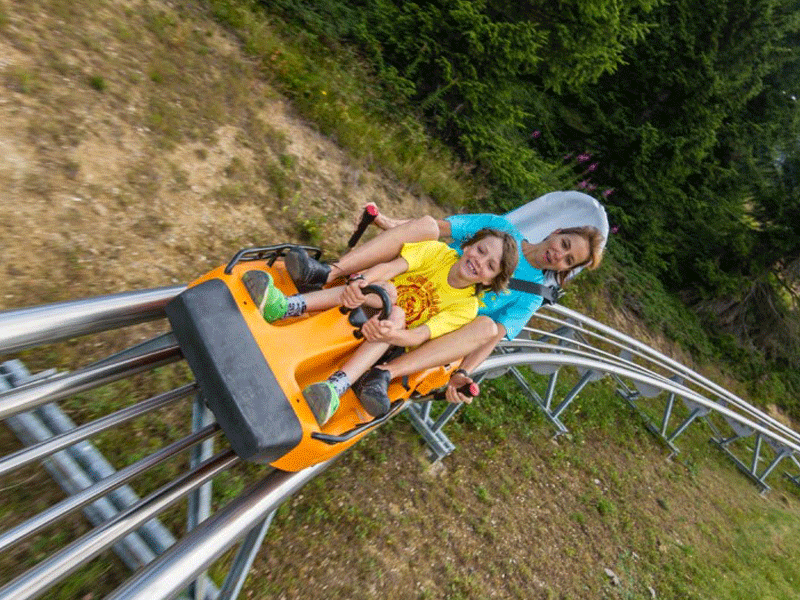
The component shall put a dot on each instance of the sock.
(295, 305)
(340, 382)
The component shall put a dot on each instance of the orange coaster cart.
(251, 372)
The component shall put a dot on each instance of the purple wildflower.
(608, 192)
(592, 167)
(536, 133)
(584, 157)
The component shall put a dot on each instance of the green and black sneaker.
(323, 400)
(271, 302)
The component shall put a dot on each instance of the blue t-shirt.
(512, 308)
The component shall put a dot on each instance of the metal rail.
(181, 566)
(509, 360)
(29, 327)
(59, 442)
(172, 571)
(675, 367)
(34, 582)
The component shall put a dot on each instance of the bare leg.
(385, 246)
(445, 349)
(322, 299)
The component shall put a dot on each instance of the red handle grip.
(468, 389)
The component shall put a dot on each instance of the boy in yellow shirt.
(434, 292)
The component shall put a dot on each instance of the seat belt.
(550, 294)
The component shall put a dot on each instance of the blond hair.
(595, 239)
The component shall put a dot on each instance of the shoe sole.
(320, 399)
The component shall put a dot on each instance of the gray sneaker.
(308, 274)
(372, 390)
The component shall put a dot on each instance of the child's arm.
(352, 296)
(375, 330)
(385, 271)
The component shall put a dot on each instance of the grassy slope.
(511, 513)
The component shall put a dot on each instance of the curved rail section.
(669, 395)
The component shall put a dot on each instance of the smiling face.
(480, 262)
(559, 252)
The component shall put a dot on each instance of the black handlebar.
(367, 217)
(386, 308)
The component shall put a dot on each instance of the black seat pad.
(235, 379)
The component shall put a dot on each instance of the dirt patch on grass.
(144, 148)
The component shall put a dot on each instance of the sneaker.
(271, 302)
(322, 399)
(308, 274)
(372, 390)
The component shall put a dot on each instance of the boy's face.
(480, 262)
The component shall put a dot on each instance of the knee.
(391, 290)
(427, 227)
(484, 329)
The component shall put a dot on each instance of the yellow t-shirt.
(424, 294)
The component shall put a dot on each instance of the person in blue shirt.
(500, 316)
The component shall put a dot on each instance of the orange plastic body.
(307, 349)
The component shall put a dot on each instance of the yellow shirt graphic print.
(419, 299)
(424, 294)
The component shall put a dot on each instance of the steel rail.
(28, 327)
(27, 455)
(171, 572)
(748, 408)
(627, 364)
(528, 345)
(676, 367)
(579, 329)
(507, 360)
(613, 342)
(101, 488)
(60, 386)
(37, 580)
(745, 406)
(592, 350)
(612, 359)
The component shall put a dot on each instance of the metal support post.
(588, 376)
(667, 415)
(795, 479)
(697, 411)
(244, 560)
(543, 405)
(438, 442)
(199, 501)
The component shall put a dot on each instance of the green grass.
(331, 89)
(740, 552)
